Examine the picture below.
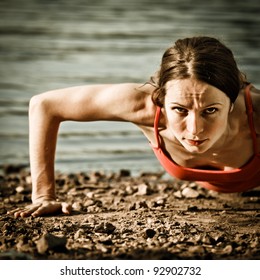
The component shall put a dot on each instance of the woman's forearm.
(43, 130)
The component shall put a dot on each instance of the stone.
(105, 228)
(150, 233)
(190, 193)
(142, 189)
(49, 241)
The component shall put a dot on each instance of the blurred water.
(55, 44)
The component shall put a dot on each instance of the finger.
(47, 209)
(40, 211)
(17, 210)
(10, 212)
(27, 211)
(23, 212)
(20, 213)
(17, 213)
(66, 208)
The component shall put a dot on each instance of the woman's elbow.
(41, 104)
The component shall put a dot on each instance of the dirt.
(119, 216)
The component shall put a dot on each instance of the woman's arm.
(122, 102)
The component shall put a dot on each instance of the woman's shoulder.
(146, 109)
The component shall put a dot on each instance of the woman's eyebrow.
(214, 104)
(209, 105)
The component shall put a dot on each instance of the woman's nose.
(194, 124)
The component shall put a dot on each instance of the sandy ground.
(118, 216)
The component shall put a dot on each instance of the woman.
(198, 112)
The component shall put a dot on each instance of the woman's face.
(196, 113)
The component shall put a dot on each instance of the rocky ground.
(118, 216)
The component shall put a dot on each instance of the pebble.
(190, 193)
(77, 206)
(105, 228)
(13, 168)
(79, 233)
(193, 208)
(197, 249)
(20, 189)
(28, 179)
(23, 247)
(101, 248)
(89, 202)
(177, 194)
(49, 241)
(132, 206)
(141, 204)
(227, 250)
(130, 190)
(150, 233)
(160, 201)
(207, 239)
(124, 173)
(142, 189)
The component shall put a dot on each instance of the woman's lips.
(195, 142)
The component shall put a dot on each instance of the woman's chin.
(196, 147)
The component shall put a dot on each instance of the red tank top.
(235, 180)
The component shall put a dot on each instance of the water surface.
(56, 44)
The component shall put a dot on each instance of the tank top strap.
(250, 112)
(156, 125)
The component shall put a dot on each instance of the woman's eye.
(180, 110)
(211, 110)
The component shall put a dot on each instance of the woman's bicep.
(91, 102)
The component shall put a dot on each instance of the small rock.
(184, 186)
(193, 185)
(77, 206)
(49, 241)
(89, 202)
(197, 250)
(132, 206)
(218, 237)
(79, 233)
(207, 239)
(150, 233)
(105, 240)
(130, 190)
(28, 179)
(101, 248)
(160, 201)
(23, 247)
(227, 250)
(177, 194)
(20, 189)
(142, 189)
(105, 228)
(193, 208)
(124, 173)
(190, 193)
(12, 168)
(141, 204)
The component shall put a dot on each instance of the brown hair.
(203, 58)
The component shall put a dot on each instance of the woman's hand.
(42, 208)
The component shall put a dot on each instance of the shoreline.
(120, 216)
